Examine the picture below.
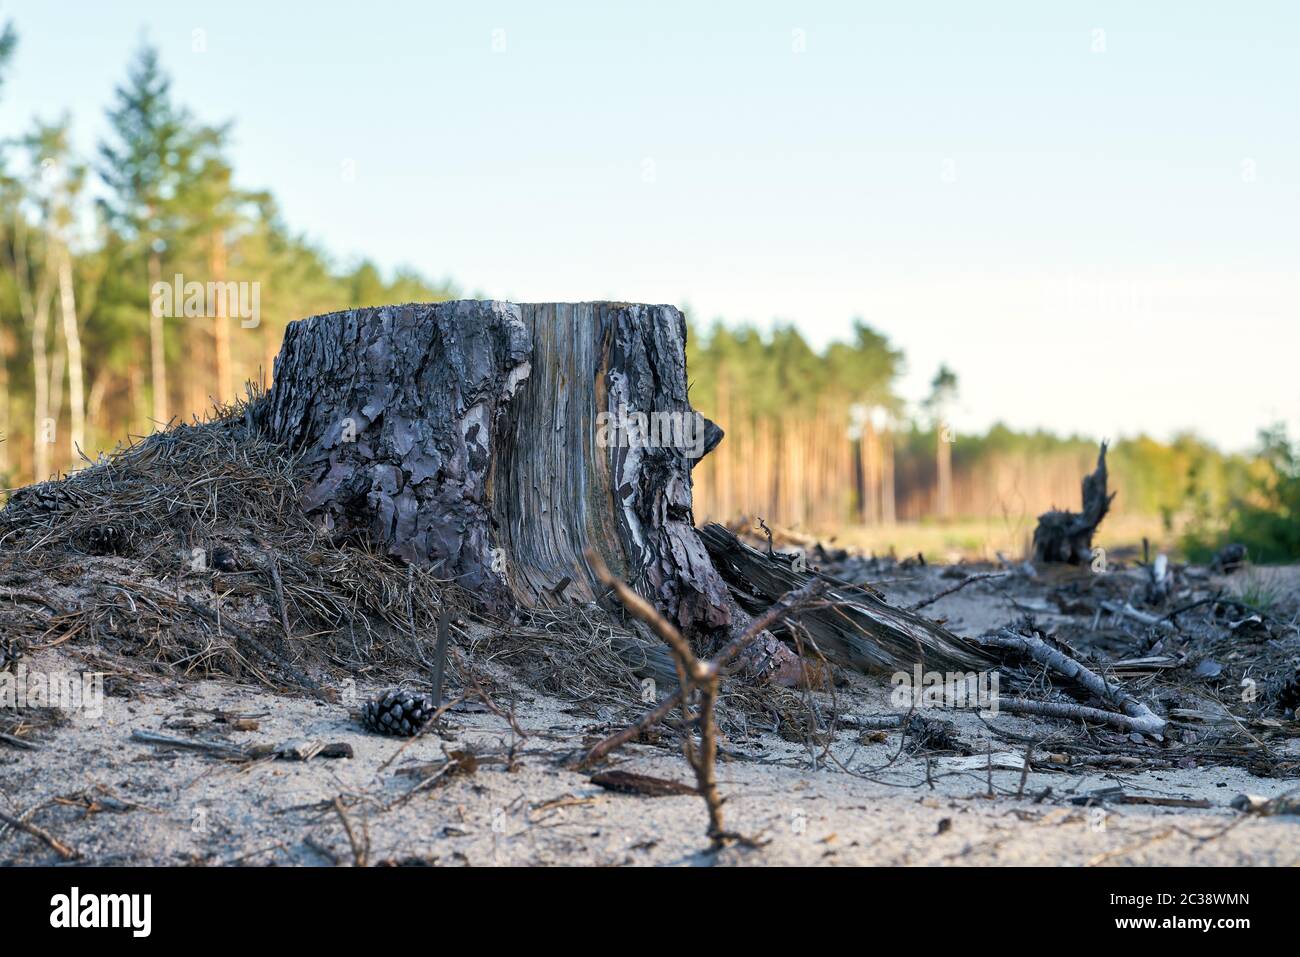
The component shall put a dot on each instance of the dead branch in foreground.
(1140, 718)
(1074, 712)
(698, 679)
(788, 603)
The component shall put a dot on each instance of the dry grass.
(974, 539)
(187, 550)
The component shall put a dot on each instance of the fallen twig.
(359, 849)
(64, 851)
(226, 751)
(628, 782)
(1139, 717)
(1128, 611)
(987, 576)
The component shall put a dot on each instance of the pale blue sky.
(1100, 231)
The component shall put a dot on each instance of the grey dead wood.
(1063, 536)
(498, 443)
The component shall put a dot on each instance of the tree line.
(822, 439)
(126, 277)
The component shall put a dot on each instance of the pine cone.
(398, 712)
(1287, 694)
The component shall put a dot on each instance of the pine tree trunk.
(42, 439)
(221, 326)
(76, 369)
(498, 442)
(944, 468)
(6, 352)
(157, 350)
(887, 507)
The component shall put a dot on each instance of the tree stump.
(1067, 536)
(498, 442)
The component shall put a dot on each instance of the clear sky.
(1091, 211)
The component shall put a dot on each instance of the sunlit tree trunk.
(58, 367)
(35, 306)
(6, 352)
(157, 349)
(42, 427)
(944, 467)
(221, 328)
(72, 336)
(887, 509)
(870, 455)
(95, 398)
(135, 393)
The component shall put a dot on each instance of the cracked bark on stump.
(497, 442)
(1067, 536)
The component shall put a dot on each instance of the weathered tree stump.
(497, 443)
(1067, 536)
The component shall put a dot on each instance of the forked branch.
(700, 681)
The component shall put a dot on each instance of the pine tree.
(151, 166)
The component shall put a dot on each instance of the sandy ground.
(116, 801)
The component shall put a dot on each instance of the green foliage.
(8, 43)
(943, 391)
(1263, 512)
(740, 370)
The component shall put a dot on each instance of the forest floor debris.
(235, 642)
(472, 793)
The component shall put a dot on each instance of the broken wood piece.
(629, 782)
(1128, 611)
(1140, 717)
(879, 722)
(225, 751)
(1070, 711)
(1266, 807)
(1001, 760)
(1156, 801)
(852, 627)
(299, 749)
(1117, 795)
(1063, 536)
(16, 742)
(293, 750)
